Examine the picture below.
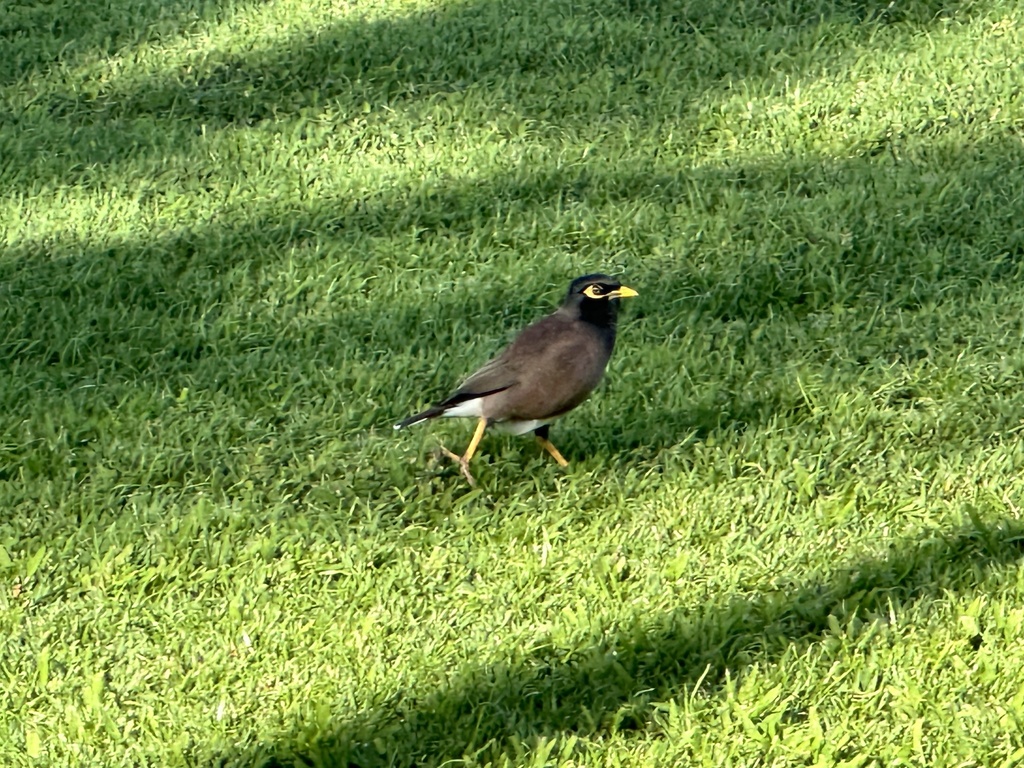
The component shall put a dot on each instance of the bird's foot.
(548, 446)
(463, 464)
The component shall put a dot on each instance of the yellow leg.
(550, 448)
(477, 436)
(463, 460)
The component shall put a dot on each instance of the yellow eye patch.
(594, 292)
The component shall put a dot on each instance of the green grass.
(240, 239)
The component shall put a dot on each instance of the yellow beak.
(623, 292)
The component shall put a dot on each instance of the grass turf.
(240, 239)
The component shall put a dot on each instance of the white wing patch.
(472, 407)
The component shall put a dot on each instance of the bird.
(549, 368)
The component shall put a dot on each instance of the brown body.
(550, 368)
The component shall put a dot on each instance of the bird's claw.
(463, 464)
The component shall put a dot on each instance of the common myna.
(549, 369)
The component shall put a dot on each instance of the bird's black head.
(595, 298)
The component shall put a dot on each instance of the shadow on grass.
(186, 308)
(147, 306)
(60, 32)
(529, 58)
(38, 35)
(904, 241)
(206, 306)
(615, 685)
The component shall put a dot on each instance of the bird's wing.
(493, 377)
(542, 346)
(561, 361)
(504, 371)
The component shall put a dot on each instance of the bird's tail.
(430, 413)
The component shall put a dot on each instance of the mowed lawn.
(238, 240)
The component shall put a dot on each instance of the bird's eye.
(593, 291)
